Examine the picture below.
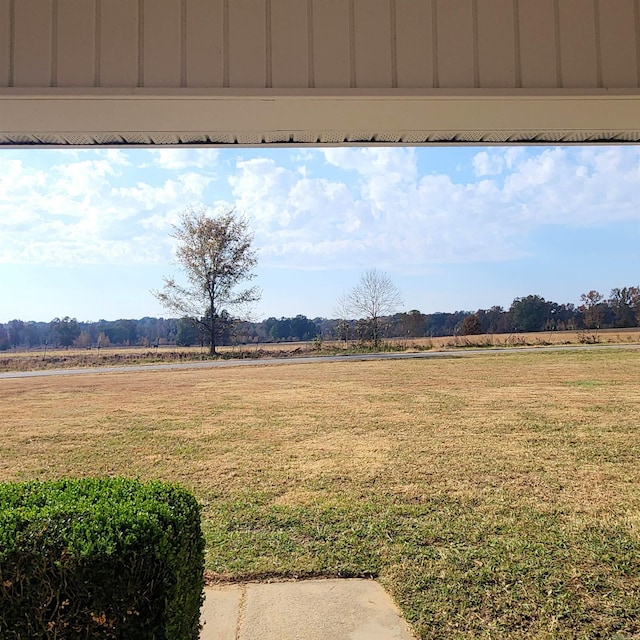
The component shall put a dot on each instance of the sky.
(87, 233)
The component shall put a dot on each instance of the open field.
(37, 359)
(495, 495)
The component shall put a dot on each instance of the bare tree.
(374, 297)
(216, 255)
(342, 312)
(594, 309)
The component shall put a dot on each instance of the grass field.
(495, 495)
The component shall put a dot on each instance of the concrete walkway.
(305, 610)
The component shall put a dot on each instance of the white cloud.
(368, 161)
(186, 189)
(115, 157)
(77, 211)
(391, 216)
(16, 179)
(83, 179)
(345, 206)
(178, 159)
(578, 188)
(261, 188)
(486, 164)
(387, 216)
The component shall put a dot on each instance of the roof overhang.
(146, 117)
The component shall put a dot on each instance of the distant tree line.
(69, 332)
(531, 313)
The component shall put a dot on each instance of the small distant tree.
(4, 339)
(634, 298)
(374, 297)
(15, 330)
(343, 330)
(33, 334)
(471, 326)
(494, 320)
(364, 330)
(65, 330)
(188, 333)
(216, 255)
(302, 328)
(593, 309)
(622, 303)
(83, 341)
(103, 340)
(412, 324)
(342, 326)
(530, 313)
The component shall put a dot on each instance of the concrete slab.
(220, 612)
(304, 610)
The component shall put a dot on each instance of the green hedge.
(99, 558)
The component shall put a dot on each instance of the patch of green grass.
(519, 574)
(585, 384)
(458, 568)
(253, 539)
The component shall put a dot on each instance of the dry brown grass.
(504, 435)
(561, 427)
(538, 338)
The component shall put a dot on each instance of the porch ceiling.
(278, 72)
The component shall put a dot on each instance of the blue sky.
(86, 233)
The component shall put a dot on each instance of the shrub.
(99, 558)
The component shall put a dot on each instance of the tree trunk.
(376, 333)
(212, 339)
